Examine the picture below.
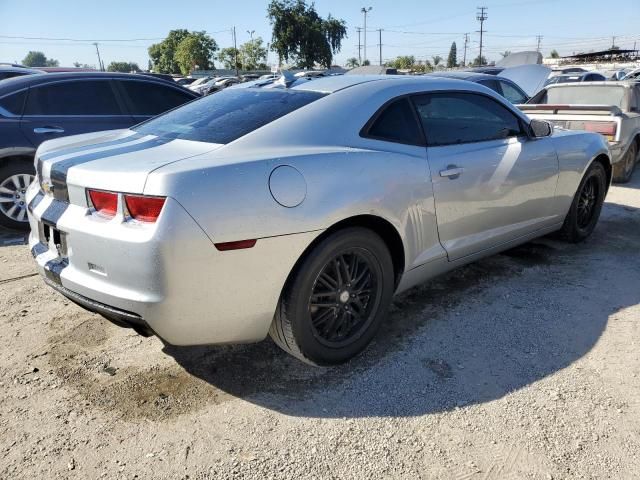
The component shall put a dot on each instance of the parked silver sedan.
(299, 212)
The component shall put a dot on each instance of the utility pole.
(365, 11)
(100, 64)
(251, 32)
(359, 30)
(539, 38)
(466, 42)
(380, 44)
(235, 51)
(613, 41)
(481, 16)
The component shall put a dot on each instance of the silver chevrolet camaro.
(299, 212)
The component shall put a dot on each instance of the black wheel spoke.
(342, 301)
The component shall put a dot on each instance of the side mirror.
(541, 128)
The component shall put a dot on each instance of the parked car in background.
(609, 108)
(632, 75)
(35, 108)
(194, 207)
(10, 71)
(576, 78)
(500, 85)
(248, 77)
(184, 81)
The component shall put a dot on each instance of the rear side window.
(454, 118)
(513, 94)
(227, 115)
(148, 98)
(82, 97)
(396, 123)
(492, 84)
(13, 103)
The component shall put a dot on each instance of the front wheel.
(336, 298)
(587, 205)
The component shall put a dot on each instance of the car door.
(71, 106)
(145, 99)
(492, 183)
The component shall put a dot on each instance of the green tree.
(403, 62)
(252, 54)
(83, 65)
(436, 60)
(452, 60)
(479, 61)
(555, 54)
(163, 54)
(506, 53)
(366, 63)
(38, 59)
(195, 50)
(125, 67)
(303, 36)
(228, 57)
(352, 62)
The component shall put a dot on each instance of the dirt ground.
(525, 365)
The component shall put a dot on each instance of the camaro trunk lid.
(118, 160)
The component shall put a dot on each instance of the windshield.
(227, 115)
(586, 94)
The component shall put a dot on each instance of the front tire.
(587, 205)
(15, 178)
(336, 298)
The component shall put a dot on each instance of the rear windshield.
(225, 116)
(587, 94)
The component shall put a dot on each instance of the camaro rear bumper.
(166, 277)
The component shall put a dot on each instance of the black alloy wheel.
(587, 202)
(336, 297)
(344, 297)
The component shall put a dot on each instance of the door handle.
(452, 172)
(48, 130)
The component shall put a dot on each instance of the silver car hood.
(529, 78)
(118, 160)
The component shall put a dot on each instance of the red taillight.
(144, 209)
(605, 128)
(105, 203)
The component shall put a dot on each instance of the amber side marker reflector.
(239, 245)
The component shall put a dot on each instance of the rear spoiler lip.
(614, 110)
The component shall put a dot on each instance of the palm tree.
(352, 62)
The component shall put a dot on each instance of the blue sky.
(422, 28)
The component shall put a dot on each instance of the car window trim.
(6, 113)
(364, 131)
(73, 80)
(525, 129)
(128, 102)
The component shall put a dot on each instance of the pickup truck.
(609, 108)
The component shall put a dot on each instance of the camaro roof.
(340, 82)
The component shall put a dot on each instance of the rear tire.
(586, 206)
(15, 177)
(336, 298)
(623, 170)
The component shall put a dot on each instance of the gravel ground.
(524, 365)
